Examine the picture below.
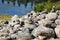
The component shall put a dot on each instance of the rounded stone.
(43, 31)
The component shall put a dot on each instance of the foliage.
(43, 6)
(39, 7)
(46, 5)
(57, 6)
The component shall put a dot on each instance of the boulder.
(43, 31)
(51, 16)
(44, 22)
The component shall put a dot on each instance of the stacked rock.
(33, 26)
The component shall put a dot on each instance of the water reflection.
(20, 7)
(19, 2)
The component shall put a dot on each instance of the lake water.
(12, 10)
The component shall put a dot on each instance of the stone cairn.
(33, 26)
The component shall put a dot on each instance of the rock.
(49, 16)
(3, 31)
(35, 39)
(31, 26)
(17, 26)
(33, 12)
(43, 31)
(58, 12)
(15, 17)
(53, 9)
(13, 36)
(41, 37)
(23, 39)
(57, 21)
(44, 22)
(22, 34)
(11, 31)
(53, 25)
(14, 20)
(59, 17)
(42, 16)
(52, 39)
(57, 31)
(2, 38)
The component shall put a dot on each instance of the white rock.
(51, 16)
(57, 31)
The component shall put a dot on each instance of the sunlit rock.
(51, 16)
(44, 22)
(43, 31)
(57, 31)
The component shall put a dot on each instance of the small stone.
(41, 37)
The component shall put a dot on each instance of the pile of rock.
(33, 26)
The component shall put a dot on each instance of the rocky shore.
(32, 26)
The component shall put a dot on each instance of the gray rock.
(43, 31)
(59, 17)
(42, 16)
(31, 26)
(14, 20)
(49, 16)
(57, 21)
(22, 34)
(58, 12)
(13, 36)
(45, 22)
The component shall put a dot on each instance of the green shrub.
(39, 7)
(43, 6)
(57, 6)
(46, 5)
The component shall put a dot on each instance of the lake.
(10, 9)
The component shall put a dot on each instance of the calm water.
(12, 10)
